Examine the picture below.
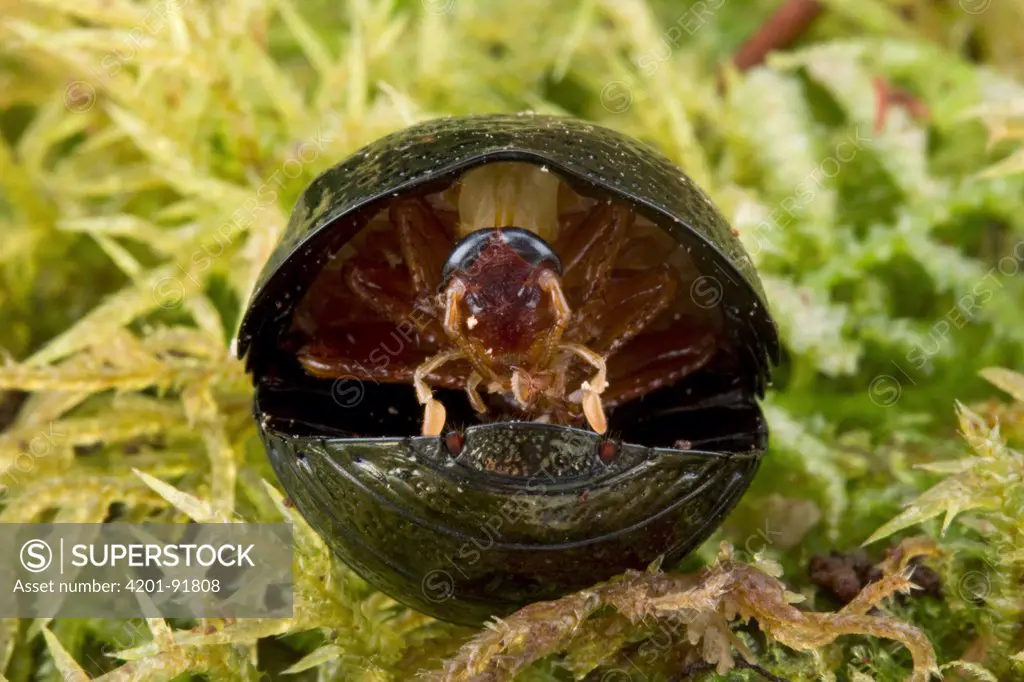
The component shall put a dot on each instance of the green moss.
(122, 161)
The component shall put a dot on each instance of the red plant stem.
(888, 96)
(780, 30)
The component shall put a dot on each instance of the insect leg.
(544, 346)
(629, 304)
(589, 249)
(434, 412)
(591, 390)
(474, 396)
(424, 242)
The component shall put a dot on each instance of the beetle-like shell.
(527, 511)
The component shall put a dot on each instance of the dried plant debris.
(702, 608)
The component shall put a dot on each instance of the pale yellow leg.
(474, 396)
(434, 412)
(591, 390)
(521, 387)
(452, 322)
(550, 283)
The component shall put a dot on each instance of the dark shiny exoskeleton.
(516, 511)
(531, 248)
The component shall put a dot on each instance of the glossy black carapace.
(501, 358)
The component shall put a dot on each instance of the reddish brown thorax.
(505, 304)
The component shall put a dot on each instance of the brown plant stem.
(702, 605)
(887, 96)
(781, 30)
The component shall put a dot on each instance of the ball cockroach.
(500, 358)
